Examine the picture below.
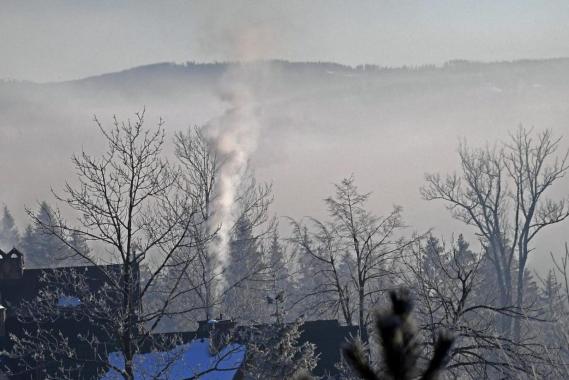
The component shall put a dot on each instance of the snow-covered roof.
(68, 301)
(183, 362)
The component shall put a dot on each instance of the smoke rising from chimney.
(235, 134)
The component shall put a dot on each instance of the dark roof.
(13, 291)
(327, 335)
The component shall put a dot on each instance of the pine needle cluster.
(400, 346)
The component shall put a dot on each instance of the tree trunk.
(361, 312)
(208, 290)
(128, 312)
(522, 258)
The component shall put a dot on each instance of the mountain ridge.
(192, 67)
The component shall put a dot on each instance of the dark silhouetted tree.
(400, 346)
(42, 247)
(9, 235)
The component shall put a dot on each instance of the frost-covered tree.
(247, 275)
(280, 277)
(244, 252)
(201, 166)
(308, 281)
(450, 292)
(354, 252)
(128, 201)
(433, 250)
(502, 191)
(274, 352)
(554, 303)
(279, 262)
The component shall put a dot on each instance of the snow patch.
(68, 301)
(182, 362)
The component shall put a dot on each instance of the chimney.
(219, 331)
(11, 265)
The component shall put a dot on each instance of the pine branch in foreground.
(400, 346)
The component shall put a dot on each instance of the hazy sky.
(45, 40)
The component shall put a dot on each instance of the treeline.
(42, 249)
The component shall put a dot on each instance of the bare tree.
(534, 167)
(201, 165)
(502, 192)
(127, 201)
(355, 250)
(451, 294)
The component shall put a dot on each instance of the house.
(19, 285)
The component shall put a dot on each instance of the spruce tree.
(431, 259)
(9, 235)
(274, 352)
(78, 249)
(464, 253)
(42, 249)
(243, 252)
(400, 346)
(245, 275)
(281, 285)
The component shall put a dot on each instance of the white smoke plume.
(234, 136)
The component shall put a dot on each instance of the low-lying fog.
(318, 124)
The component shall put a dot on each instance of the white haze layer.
(317, 123)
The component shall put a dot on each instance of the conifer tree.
(243, 251)
(431, 259)
(280, 280)
(42, 249)
(9, 235)
(278, 261)
(274, 352)
(245, 275)
(77, 243)
(400, 346)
